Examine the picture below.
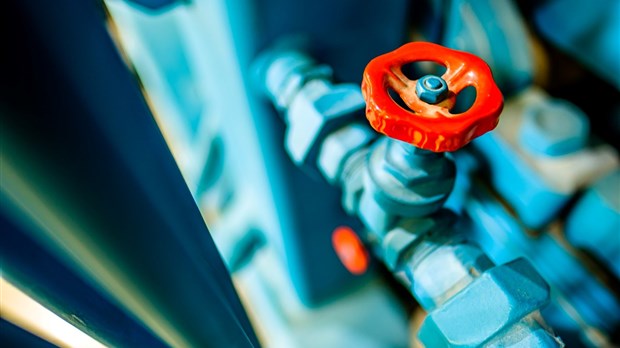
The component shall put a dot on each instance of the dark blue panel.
(77, 131)
(154, 4)
(14, 336)
(51, 283)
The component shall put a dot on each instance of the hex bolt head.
(402, 237)
(338, 146)
(553, 128)
(511, 292)
(431, 89)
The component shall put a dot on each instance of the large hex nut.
(377, 219)
(283, 69)
(316, 111)
(431, 89)
(352, 181)
(338, 146)
(445, 270)
(527, 334)
(427, 172)
(495, 301)
(396, 188)
(405, 235)
(554, 127)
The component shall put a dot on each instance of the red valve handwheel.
(430, 126)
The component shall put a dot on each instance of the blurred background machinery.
(128, 126)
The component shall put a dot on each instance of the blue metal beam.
(84, 160)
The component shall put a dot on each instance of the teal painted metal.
(403, 181)
(594, 222)
(589, 32)
(156, 5)
(494, 31)
(580, 301)
(535, 201)
(554, 128)
(308, 210)
(431, 89)
(416, 237)
(494, 302)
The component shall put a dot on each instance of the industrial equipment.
(197, 173)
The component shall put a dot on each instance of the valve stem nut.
(431, 89)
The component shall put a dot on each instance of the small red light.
(350, 250)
